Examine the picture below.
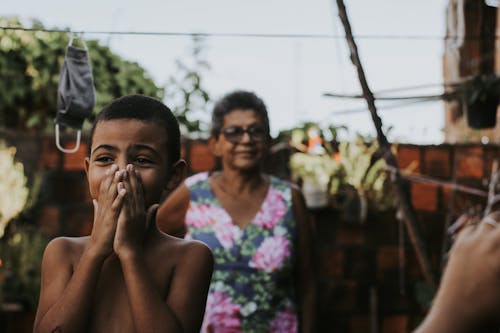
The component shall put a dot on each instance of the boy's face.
(130, 141)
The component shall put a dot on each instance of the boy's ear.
(178, 173)
(87, 164)
(214, 146)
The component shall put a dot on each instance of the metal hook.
(75, 35)
(64, 150)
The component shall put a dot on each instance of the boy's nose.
(121, 164)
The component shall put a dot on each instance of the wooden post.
(404, 200)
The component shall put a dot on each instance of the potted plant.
(352, 179)
(315, 173)
(364, 184)
(312, 165)
(481, 97)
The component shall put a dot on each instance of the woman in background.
(255, 224)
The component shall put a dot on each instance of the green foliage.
(354, 165)
(13, 189)
(365, 171)
(21, 258)
(186, 94)
(298, 137)
(30, 63)
(320, 169)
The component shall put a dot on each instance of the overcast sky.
(290, 74)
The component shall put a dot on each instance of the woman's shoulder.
(196, 178)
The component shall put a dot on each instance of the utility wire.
(393, 98)
(246, 35)
(385, 107)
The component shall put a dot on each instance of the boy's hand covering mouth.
(106, 210)
(132, 220)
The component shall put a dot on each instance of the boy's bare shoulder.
(66, 247)
(186, 249)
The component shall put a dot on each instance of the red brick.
(491, 153)
(395, 324)
(201, 157)
(18, 321)
(50, 156)
(470, 162)
(437, 162)
(78, 220)
(343, 295)
(387, 260)
(75, 161)
(183, 151)
(85, 228)
(331, 263)
(49, 220)
(360, 324)
(424, 196)
(350, 235)
(409, 155)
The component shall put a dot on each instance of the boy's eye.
(103, 159)
(143, 161)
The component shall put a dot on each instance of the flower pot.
(315, 195)
(352, 204)
(482, 113)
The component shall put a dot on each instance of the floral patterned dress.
(252, 284)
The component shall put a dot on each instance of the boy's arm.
(182, 312)
(184, 307)
(304, 270)
(66, 296)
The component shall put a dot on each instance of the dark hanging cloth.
(75, 95)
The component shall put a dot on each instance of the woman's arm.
(304, 270)
(172, 212)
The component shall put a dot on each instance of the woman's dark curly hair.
(239, 99)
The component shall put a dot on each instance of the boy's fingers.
(121, 193)
(132, 181)
(110, 173)
(113, 187)
(136, 187)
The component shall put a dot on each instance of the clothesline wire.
(384, 107)
(245, 35)
(429, 180)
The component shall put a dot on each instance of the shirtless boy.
(127, 276)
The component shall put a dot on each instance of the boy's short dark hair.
(145, 109)
(238, 99)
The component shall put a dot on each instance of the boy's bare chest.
(111, 311)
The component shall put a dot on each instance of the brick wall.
(361, 278)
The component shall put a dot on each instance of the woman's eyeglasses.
(234, 134)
